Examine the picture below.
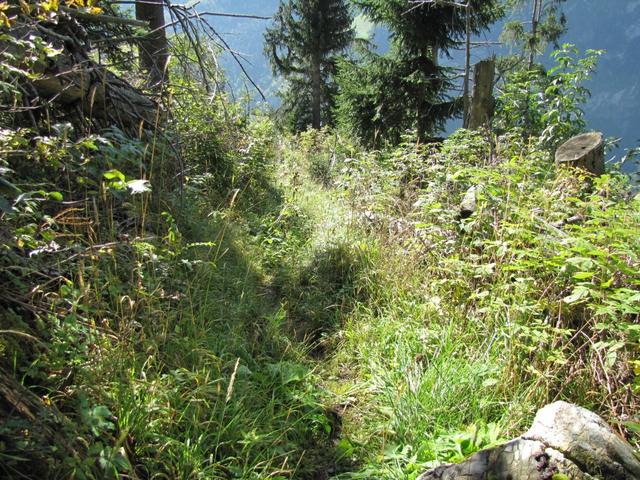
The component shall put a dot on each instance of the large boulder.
(565, 442)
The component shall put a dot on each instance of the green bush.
(547, 104)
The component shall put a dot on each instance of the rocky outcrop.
(565, 442)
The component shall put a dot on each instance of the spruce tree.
(302, 46)
(412, 88)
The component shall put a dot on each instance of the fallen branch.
(100, 18)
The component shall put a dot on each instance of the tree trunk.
(435, 53)
(154, 51)
(533, 41)
(316, 93)
(467, 67)
(482, 102)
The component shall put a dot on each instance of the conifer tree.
(412, 87)
(302, 46)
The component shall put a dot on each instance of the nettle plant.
(546, 104)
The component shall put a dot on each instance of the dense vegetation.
(209, 296)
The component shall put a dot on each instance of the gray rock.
(564, 442)
(469, 202)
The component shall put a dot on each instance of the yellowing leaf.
(25, 7)
(50, 5)
(4, 20)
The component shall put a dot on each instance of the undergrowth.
(471, 324)
(139, 315)
(268, 306)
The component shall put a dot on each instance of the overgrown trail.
(329, 266)
(309, 310)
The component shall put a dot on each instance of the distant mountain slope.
(612, 25)
(245, 36)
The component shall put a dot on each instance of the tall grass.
(304, 309)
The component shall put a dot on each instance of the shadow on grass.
(322, 294)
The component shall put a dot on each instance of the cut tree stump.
(585, 151)
(482, 102)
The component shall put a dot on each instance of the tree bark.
(482, 102)
(585, 151)
(73, 81)
(153, 48)
(467, 67)
(533, 41)
(316, 93)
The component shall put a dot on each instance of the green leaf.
(607, 284)
(579, 293)
(114, 175)
(583, 275)
(56, 196)
(632, 426)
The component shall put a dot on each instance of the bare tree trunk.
(533, 41)
(154, 52)
(316, 93)
(482, 102)
(467, 67)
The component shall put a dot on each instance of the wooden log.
(482, 102)
(585, 151)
